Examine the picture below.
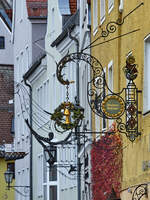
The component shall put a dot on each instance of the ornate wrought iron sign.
(114, 105)
(67, 116)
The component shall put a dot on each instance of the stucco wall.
(6, 54)
(117, 50)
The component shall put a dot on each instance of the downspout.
(77, 66)
(77, 129)
(31, 139)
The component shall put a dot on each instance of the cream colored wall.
(4, 193)
(133, 153)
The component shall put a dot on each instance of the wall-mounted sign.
(113, 106)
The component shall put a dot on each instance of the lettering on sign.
(113, 106)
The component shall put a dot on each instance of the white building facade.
(28, 27)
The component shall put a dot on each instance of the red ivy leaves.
(106, 160)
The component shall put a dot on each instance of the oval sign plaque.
(113, 106)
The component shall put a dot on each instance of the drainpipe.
(31, 180)
(77, 129)
(77, 66)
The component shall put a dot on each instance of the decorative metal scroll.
(113, 105)
(111, 27)
(43, 128)
(96, 66)
(139, 192)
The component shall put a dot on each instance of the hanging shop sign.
(112, 106)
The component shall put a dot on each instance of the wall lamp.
(9, 177)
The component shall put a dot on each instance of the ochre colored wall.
(5, 193)
(117, 50)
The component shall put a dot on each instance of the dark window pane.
(2, 42)
(53, 173)
(11, 166)
(53, 192)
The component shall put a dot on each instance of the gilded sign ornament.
(113, 106)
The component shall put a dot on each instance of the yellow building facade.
(130, 37)
(4, 192)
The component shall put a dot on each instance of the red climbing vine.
(106, 160)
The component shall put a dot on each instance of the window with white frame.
(102, 11)
(110, 76)
(104, 120)
(97, 125)
(17, 71)
(21, 66)
(46, 95)
(95, 15)
(2, 42)
(146, 92)
(54, 90)
(40, 175)
(49, 181)
(110, 82)
(27, 58)
(110, 5)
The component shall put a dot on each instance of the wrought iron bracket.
(139, 192)
(113, 105)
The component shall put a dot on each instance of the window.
(53, 192)
(146, 96)
(110, 75)
(17, 69)
(102, 11)
(40, 175)
(27, 58)
(95, 15)
(110, 82)
(54, 90)
(53, 169)
(2, 42)
(11, 167)
(110, 5)
(104, 121)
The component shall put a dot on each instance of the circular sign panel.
(113, 106)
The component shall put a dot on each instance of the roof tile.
(73, 6)
(37, 8)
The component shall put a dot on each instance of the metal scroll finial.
(130, 69)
